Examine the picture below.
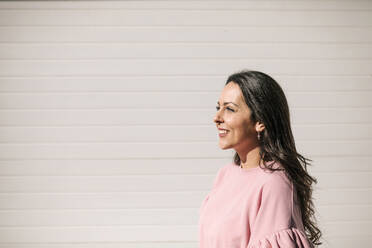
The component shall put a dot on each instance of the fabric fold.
(286, 238)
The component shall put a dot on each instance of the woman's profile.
(264, 197)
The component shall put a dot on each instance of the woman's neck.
(251, 158)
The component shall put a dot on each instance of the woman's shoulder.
(221, 174)
(226, 167)
(277, 179)
(262, 176)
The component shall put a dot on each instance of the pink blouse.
(251, 208)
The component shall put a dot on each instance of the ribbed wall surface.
(106, 110)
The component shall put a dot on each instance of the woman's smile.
(222, 132)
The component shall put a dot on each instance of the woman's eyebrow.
(225, 103)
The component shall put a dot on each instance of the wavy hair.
(268, 105)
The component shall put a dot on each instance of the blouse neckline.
(246, 170)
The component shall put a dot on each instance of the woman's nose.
(217, 118)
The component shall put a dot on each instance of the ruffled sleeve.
(278, 223)
(287, 238)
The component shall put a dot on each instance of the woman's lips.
(222, 133)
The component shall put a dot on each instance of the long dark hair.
(268, 105)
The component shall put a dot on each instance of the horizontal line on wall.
(121, 76)
(87, 92)
(177, 75)
(137, 125)
(170, 142)
(201, 9)
(88, 226)
(212, 126)
(127, 175)
(170, 174)
(123, 174)
(185, 58)
(162, 158)
(177, 26)
(182, 42)
(139, 208)
(139, 91)
(140, 125)
(142, 225)
(165, 158)
(96, 193)
(190, 58)
(319, 172)
(351, 171)
(103, 243)
(94, 209)
(166, 109)
(121, 193)
(132, 158)
(135, 209)
(345, 205)
(156, 192)
(103, 92)
(316, 189)
(346, 59)
(345, 222)
(187, 26)
(16, 43)
(157, 125)
(135, 158)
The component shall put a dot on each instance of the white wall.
(106, 128)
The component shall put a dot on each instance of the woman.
(262, 199)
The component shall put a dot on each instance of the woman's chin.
(224, 146)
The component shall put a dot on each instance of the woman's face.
(234, 116)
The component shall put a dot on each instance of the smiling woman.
(239, 131)
(263, 198)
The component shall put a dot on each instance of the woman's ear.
(259, 127)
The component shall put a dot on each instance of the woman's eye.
(230, 109)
